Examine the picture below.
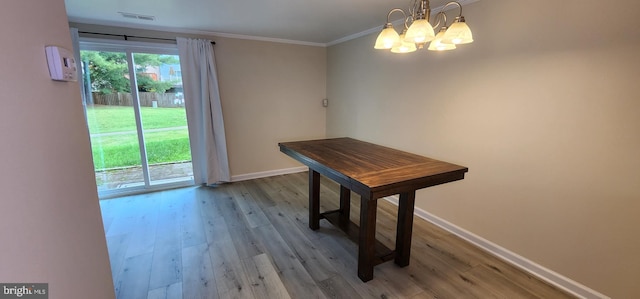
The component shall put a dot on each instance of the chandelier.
(417, 31)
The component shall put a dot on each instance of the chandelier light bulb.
(402, 46)
(437, 45)
(459, 33)
(387, 38)
(420, 31)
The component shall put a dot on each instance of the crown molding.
(193, 32)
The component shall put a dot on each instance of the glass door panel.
(111, 121)
(139, 135)
(164, 119)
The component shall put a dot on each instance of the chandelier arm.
(413, 7)
(453, 3)
(443, 16)
(395, 10)
(407, 20)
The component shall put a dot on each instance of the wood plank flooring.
(251, 240)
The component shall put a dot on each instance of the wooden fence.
(167, 100)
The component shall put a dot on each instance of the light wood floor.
(251, 240)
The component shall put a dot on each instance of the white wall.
(50, 224)
(271, 92)
(543, 108)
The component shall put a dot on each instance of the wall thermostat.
(62, 64)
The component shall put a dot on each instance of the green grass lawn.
(122, 150)
(107, 119)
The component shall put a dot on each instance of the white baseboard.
(264, 174)
(534, 269)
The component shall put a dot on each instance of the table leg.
(404, 229)
(314, 200)
(345, 206)
(367, 238)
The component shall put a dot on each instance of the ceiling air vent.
(137, 16)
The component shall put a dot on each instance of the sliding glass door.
(136, 117)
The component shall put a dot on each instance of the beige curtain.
(204, 111)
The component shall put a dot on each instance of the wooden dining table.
(373, 172)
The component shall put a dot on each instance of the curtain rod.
(126, 37)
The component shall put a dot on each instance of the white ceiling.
(314, 21)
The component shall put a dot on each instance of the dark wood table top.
(369, 168)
